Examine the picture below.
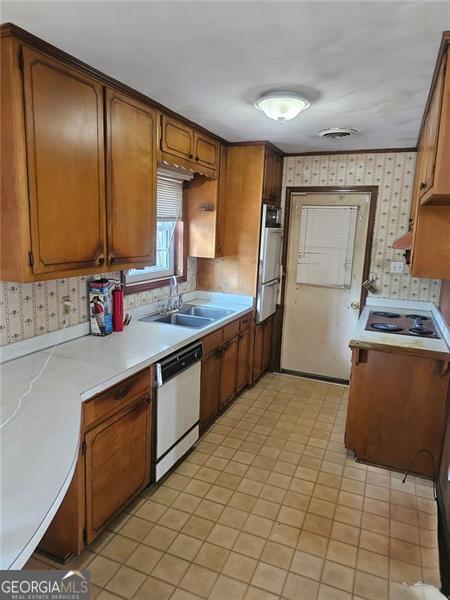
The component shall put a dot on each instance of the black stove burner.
(389, 315)
(391, 327)
(420, 317)
(420, 331)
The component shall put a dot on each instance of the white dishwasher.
(177, 407)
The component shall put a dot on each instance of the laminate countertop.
(39, 446)
(407, 344)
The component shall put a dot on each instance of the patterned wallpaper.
(30, 309)
(393, 174)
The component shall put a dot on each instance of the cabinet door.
(117, 463)
(243, 354)
(210, 387)
(258, 351)
(177, 139)
(228, 377)
(131, 180)
(277, 182)
(206, 151)
(429, 138)
(269, 170)
(65, 153)
(267, 344)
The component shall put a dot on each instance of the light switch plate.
(397, 266)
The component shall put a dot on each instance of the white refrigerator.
(269, 262)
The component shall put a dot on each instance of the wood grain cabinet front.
(243, 359)
(273, 175)
(131, 163)
(210, 386)
(65, 154)
(228, 378)
(430, 210)
(262, 347)
(117, 463)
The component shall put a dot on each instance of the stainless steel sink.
(182, 320)
(204, 311)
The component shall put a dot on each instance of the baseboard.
(314, 376)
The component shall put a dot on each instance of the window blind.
(169, 199)
(326, 243)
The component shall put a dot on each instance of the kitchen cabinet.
(117, 463)
(224, 367)
(205, 206)
(188, 148)
(273, 176)
(229, 371)
(253, 176)
(114, 464)
(397, 406)
(131, 163)
(210, 386)
(430, 213)
(243, 359)
(54, 218)
(262, 347)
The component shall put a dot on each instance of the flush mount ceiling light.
(337, 133)
(281, 106)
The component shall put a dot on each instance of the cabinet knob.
(197, 158)
(423, 185)
(191, 156)
(112, 259)
(101, 260)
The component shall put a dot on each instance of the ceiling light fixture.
(281, 106)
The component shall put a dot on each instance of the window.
(169, 235)
(326, 241)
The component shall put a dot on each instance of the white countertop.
(361, 335)
(39, 446)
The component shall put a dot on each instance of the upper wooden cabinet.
(273, 176)
(205, 205)
(431, 193)
(182, 145)
(131, 161)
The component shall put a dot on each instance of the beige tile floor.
(269, 505)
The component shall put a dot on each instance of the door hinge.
(83, 447)
(21, 60)
(30, 258)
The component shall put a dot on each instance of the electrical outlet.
(397, 266)
(66, 304)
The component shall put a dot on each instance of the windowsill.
(151, 284)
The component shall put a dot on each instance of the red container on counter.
(117, 308)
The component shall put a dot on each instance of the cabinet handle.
(101, 260)
(423, 185)
(191, 156)
(112, 259)
(147, 399)
(242, 335)
(197, 158)
(122, 391)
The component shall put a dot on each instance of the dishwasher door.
(177, 416)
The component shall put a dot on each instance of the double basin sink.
(196, 317)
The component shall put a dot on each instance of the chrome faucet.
(172, 303)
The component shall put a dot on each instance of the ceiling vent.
(337, 133)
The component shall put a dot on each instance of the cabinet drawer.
(245, 321)
(107, 403)
(230, 330)
(212, 341)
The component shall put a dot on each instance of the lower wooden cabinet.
(210, 386)
(243, 362)
(225, 367)
(117, 463)
(262, 347)
(397, 407)
(228, 378)
(114, 465)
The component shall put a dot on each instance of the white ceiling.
(365, 64)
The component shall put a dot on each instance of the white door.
(324, 271)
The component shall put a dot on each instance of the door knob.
(355, 305)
